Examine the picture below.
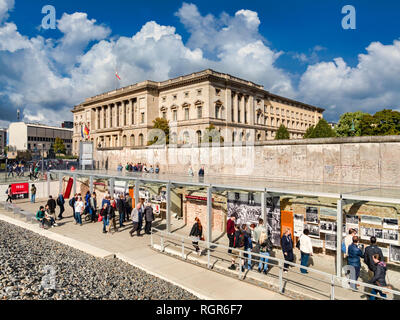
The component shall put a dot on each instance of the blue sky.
(294, 48)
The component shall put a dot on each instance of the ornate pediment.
(174, 106)
(185, 105)
(198, 102)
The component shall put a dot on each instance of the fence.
(332, 281)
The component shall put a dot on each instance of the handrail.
(332, 277)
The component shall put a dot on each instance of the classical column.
(228, 105)
(124, 113)
(235, 107)
(242, 107)
(251, 113)
(108, 116)
(95, 119)
(132, 113)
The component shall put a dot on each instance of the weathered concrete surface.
(369, 161)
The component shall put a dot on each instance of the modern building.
(37, 137)
(3, 140)
(239, 109)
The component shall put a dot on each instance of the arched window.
(132, 140)
(141, 140)
(186, 137)
(173, 139)
(233, 136)
(124, 141)
(198, 133)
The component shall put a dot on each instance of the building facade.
(239, 110)
(3, 140)
(37, 137)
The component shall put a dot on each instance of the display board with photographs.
(298, 224)
(371, 220)
(390, 224)
(328, 212)
(314, 230)
(394, 253)
(330, 241)
(245, 206)
(328, 227)
(317, 243)
(367, 233)
(312, 215)
(352, 222)
(378, 233)
(391, 236)
(273, 212)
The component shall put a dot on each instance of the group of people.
(139, 167)
(47, 213)
(373, 258)
(17, 167)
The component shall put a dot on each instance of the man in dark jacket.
(149, 218)
(121, 210)
(379, 278)
(287, 248)
(128, 206)
(60, 203)
(52, 206)
(369, 252)
(354, 256)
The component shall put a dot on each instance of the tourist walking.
(369, 252)
(103, 214)
(248, 245)
(379, 278)
(9, 194)
(135, 221)
(60, 203)
(306, 249)
(287, 248)
(230, 231)
(266, 248)
(238, 243)
(128, 206)
(33, 193)
(111, 219)
(348, 240)
(71, 203)
(353, 259)
(52, 206)
(93, 206)
(257, 230)
(196, 233)
(121, 210)
(148, 217)
(79, 208)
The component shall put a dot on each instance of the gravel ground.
(24, 257)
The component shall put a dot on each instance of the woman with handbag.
(196, 233)
(379, 277)
(103, 215)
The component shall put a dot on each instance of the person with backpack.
(60, 203)
(93, 206)
(33, 193)
(306, 249)
(353, 259)
(71, 203)
(266, 247)
(379, 278)
(369, 252)
(287, 248)
(248, 246)
(238, 243)
(52, 207)
(121, 210)
(111, 218)
(196, 233)
(9, 194)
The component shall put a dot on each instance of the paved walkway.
(203, 283)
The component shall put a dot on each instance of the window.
(164, 99)
(186, 113)
(217, 92)
(174, 96)
(272, 110)
(142, 117)
(164, 115)
(199, 112)
(199, 92)
(258, 118)
(198, 136)
(186, 94)
(217, 109)
(175, 115)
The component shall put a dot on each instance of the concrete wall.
(370, 161)
(41, 190)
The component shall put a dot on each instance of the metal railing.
(330, 280)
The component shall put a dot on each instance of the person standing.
(103, 213)
(265, 250)
(379, 278)
(33, 193)
(128, 206)
(9, 194)
(248, 245)
(111, 218)
(201, 171)
(79, 207)
(52, 207)
(287, 248)
(149, 218)
(306, 249)
(348, 240)
(71, 203)
(121, 210)
(196, 233)
(60, 203)
(257, 230)
(238, 242)
(369, 252)
(157, 169)
(230, 231)
(353, 259)
(93, 206)
(190, 171)
(135, 221)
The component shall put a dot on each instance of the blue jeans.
(78, 217)
(33, 198)
(375, 291)
(265, 260)
(357, 270)
(304, 261)
(105, 223)
(121, 218)
(249, 262)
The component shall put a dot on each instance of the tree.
(382, 123)
(346, 122)
(308, 132)
(282, 133)
(212, 134)
(59, 146)
(160, 124)
(321, 130)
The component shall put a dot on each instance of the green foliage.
(383, 123)
(161, 124)
(59, 146)
(321, 130)
(212, 134)
(344, 126)
(282, 133)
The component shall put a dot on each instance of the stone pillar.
(108, 116)
(241, 108)
(252, 110)
(339, 236)
(168, 205)
(132, 116)
(209, 214)
(228, 105)
(95, 119)
(235, 107)
(123, 113)
(91, 184)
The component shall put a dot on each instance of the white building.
(37, 137)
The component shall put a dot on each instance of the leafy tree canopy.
(321, 130)
(282, 133)
(345, 124)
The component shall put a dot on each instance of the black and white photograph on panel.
(273, 212)
(327, 227)
(246, 209)
(311, 215)
(298, 224)
(330, 241)
(317, 243)
(351, 219)
(389, 223)
(391, 236)
(314, 230)
(394, 253)
(367, 233)
(371, 220)
(378, 233)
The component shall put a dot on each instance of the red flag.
(116, 74)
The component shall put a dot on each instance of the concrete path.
(136, 251)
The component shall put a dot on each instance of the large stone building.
(3, 140)
(37, 137)
(240, 110)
